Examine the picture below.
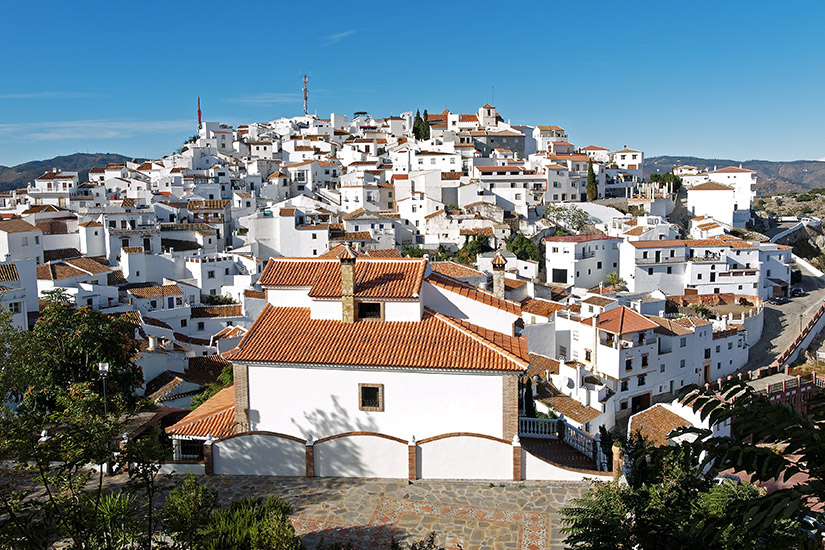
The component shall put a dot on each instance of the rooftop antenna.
(306, 95)
(199, 112)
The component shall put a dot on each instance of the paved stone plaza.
(465, 515)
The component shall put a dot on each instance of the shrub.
(252, 524)
(187, 512)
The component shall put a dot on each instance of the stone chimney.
(498, 275)
(347, 258)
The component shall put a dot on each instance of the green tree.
(66, 346)
(417, 125)
(667, 503)
(425, 126)
(523, 248)
(554, 212)
(592, 184)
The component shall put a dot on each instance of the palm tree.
(613, 279)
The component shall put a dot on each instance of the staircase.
(556, 441)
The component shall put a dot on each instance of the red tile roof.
(539, 306)
(289, 335)
(455, 270)
(156, 291)
(8, 272)
(215, 417)
(473, 293)
(622, 320)
(217, 311)
(656, 423)
(374, 277)
(710, 186)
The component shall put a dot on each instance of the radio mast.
(306, 95)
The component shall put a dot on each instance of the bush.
(804, 197)
(252, 524)
(224, 300)
(187, 512)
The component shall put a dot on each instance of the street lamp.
(103, 371)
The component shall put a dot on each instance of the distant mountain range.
(19, 176)
(772, 177)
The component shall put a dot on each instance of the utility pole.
(306, 95)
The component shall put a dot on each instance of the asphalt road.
(782, 323)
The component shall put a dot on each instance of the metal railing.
(560, 430)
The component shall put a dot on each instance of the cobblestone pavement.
(367, 513)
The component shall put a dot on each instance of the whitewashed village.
(421, 296)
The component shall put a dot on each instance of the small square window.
(200, 325)
(371, 397)
(183, 323)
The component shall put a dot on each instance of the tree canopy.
(523, 248)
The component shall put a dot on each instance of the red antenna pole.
(199, 111)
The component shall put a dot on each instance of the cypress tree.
(425, 126)
(417, 125)
(592, 186)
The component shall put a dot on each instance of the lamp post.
(103, 370)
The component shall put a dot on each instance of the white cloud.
(90, 129)
(50, 95)
(337, 37)
(267, 98)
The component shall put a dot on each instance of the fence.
(460, 455)
(559, 429)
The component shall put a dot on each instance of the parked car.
(797, 291)
(778, 300)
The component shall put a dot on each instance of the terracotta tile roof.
(286, 212)
(116, 278)
(570, 408)
(636, 231)
(91, 224)
(655, 423)
(353, 236)
(333, 253)
(669, 327)
(710, 186)
(455, 270)
(156, 322)
(542, 365)
(538, 306)
(449, 176)
(716, 241)
(512, 284)
(215, 417)
(208, 205)
(622, 320)
(692, 321)
(16, 226)
(233, 310)
(206, 368)
(57, 271)
(593, 148)
(374, 277)
(88, 265)
(289, 335)
(156, 291)
(598, 301)
(8, 272)
(132, 249)
(473, 293)
(483, 231)
(730, 170)
(259, 294)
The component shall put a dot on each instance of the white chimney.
(153, 343)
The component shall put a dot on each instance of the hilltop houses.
(357, 280)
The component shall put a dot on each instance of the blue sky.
(737, 80)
